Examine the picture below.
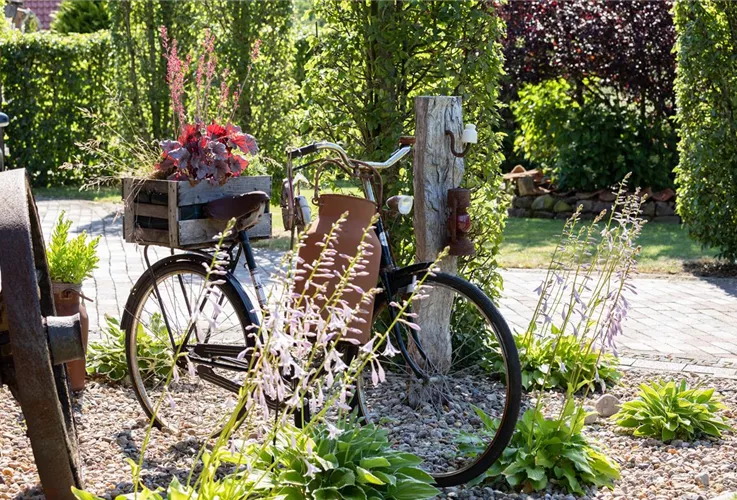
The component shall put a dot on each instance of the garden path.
(674, 324)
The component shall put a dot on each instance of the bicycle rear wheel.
(444, 419)
(156, 321)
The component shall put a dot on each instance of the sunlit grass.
(529, 243)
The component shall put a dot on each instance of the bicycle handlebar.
(319, 146)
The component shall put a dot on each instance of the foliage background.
(329, 69)
(46, 79)
(369, 60)
(705, 90)
(617, 60)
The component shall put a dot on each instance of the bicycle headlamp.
(401, 203)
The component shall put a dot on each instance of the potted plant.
(70, 262)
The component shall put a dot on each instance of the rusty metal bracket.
(65, 338)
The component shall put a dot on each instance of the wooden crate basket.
(171, 213)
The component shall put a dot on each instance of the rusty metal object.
(65, 338)
(459, 223)
(40, 386)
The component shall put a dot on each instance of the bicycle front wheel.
(460, 416)
(172, 310)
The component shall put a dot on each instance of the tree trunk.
(436, 171)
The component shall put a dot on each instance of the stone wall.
(554, 206)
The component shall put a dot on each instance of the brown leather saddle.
(246, 208)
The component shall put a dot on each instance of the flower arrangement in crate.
(206, 161)
(213, 150)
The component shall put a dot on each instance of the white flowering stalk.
(297, 358)
(584, 291)
(217, 267)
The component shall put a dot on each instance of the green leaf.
(412, 491)
(84, 495)
(374, 462)
(366, 477)
(342, 477)
(329, 493)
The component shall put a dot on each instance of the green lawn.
(74, 193)
(529, 243)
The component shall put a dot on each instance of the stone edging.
(549, 206)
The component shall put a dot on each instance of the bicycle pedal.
(206, 373)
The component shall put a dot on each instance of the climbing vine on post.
(371, 59)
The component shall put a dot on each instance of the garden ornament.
(459, 200)
(459, 223)
(34, 343)
(358, 213)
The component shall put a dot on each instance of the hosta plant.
(669, 410)
(107, 358)
(71, 260)
(544, 451)
(539, 371)
(580, 311)
(345, 461)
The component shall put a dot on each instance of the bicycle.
(458, 396)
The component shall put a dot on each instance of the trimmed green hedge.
(47, 82)
(706, 86)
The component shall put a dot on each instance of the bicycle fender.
(191, 257)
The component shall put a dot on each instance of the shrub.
(107, 359)
(81, 16)
(71, 260)
(548, 450)
(628, 45)
(47, 79)
(666, 410)
(539, 371)
(591, 144)
(706, 83)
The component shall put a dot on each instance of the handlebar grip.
(303, 151)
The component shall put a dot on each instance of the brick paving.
(674, 324)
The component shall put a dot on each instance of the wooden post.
(435, 171)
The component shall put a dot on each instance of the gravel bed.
(111, 428)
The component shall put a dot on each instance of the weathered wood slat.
(146, 236)
(204, 191)
(174, 214)
(170, 196)
(200, 232)
(148, 210)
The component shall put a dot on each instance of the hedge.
(47, 82)
(706, 85)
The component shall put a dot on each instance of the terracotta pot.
(360, 212)
(68, 302)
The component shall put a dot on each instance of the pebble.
(607, 405)
(109, 414)
(702, 478)
(591, 415)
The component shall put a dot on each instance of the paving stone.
(677, 323)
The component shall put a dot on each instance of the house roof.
(43, 10)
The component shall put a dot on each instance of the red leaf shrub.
(213, 153)
(626, 45)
